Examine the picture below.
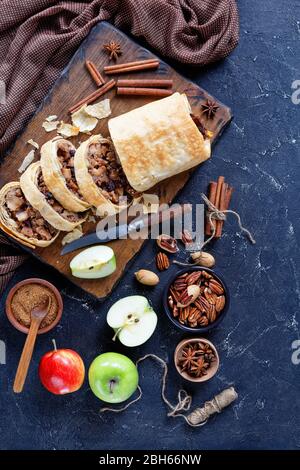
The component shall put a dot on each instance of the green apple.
(94, 262)
(133, 320)
(113, 377)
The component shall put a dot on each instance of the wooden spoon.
(38, 313)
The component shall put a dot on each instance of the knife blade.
(123, 230)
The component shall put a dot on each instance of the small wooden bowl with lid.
(54, 295)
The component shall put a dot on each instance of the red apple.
(61, 371)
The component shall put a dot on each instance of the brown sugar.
(29, 296)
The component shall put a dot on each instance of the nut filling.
(29, 221)
(68, 215)
(65, 155)
(108, 174)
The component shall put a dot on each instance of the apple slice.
(133, 320)
(94, 262)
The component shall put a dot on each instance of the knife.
(124, 230)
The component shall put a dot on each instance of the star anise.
(113, 49)
(188, 357)
(199, 368)
(196, 359)
(209, 108)
(204, 348)
(206, 351)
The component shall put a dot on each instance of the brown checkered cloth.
(38, 38)
(10, 259)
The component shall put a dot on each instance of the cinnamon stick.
(145, 83)
(131, 68)
(220, 183)
(94, 73)
(158, 92)
(212, 190)
(221, 207)
(224, 205)
(136, 68)
(129, 64)
(93, 96)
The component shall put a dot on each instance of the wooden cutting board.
(74, 84)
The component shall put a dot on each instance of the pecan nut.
(185, 299)
(186, 237)
(174, 294)
(162, 261)
(184, 314)
(182, 276)
(189, 295)
(180, 284)
(206, 275)
(171, 301)
(216, 287)
(202, 304)
(212, 315)
(220, 303)
(193, 278)
(175, 311)
(193, 315)
(167, 243)
(203, 321)
(210, 296)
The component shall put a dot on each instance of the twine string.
(118, 410)
(184, 400)
(216, 214)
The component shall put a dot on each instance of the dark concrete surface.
(259, 155)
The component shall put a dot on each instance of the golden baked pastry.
(100, 177)
(158, 140)
(57, 163)
(38, 194)
(21, 221)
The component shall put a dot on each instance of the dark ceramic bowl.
(33, 280)
(199, 329)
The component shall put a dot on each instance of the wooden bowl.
(210, 372)
(33, 280)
